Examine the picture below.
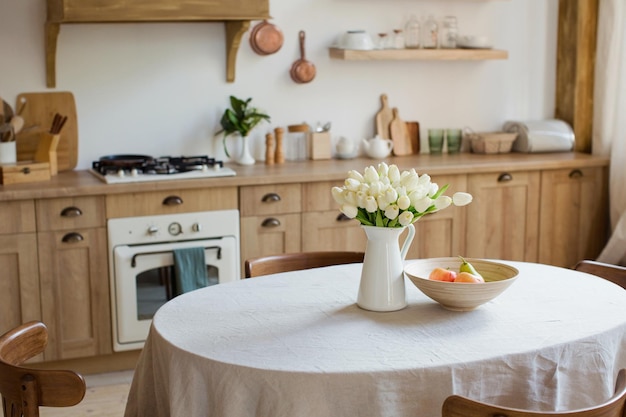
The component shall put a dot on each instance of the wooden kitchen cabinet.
(73, 275)
(503, 219)
(19, 284)
(270, 220)
(574, 215)
(325, 228)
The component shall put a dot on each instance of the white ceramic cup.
(358, 40)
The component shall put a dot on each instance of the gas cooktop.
(118, 169)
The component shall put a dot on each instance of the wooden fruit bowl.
(459, 296)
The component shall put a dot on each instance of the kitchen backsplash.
(160, 88)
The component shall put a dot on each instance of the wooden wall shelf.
(418, 54)
(235, 14)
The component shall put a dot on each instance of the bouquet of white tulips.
(384, 197)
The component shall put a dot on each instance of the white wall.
(161, 88)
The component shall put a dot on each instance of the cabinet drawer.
(17, 217)
(170, 202)
(318, 197)
(70, 213)
(262, 200)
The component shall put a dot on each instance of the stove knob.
(134, 172)
(196, 227)
(175, 229)
(120, 173)
(153, 230)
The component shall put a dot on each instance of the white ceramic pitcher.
(382, 278)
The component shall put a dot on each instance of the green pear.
(468, 267)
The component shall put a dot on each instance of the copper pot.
(266, 38)
(302, 71)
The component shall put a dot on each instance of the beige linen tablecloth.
(296, 345)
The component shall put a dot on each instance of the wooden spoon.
(302, 71)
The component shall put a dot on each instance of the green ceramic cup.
(453, 139)
(435, 141)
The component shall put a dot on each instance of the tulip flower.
(385, 197)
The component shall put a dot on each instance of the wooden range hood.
(235, 14)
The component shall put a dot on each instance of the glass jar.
(449, 33)
(412, 33)
(296, 144)
(398, 39)
(431, 33)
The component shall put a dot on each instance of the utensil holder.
(47, 151)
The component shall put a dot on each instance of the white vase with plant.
(386, 201)
(240, 119)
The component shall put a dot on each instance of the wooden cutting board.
(400, 135)
(383, 118)
(414, 135)
(38, 112)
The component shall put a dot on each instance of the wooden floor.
(106, 397)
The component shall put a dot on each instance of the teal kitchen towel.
(190, 269)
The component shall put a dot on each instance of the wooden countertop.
(79, 183)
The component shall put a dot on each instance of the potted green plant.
(241, 118)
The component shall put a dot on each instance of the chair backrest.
(458, 406)
(613, 273)
(24, 390)
(298, 261)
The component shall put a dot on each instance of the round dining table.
(296, 344)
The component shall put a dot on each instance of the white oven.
(141, 264)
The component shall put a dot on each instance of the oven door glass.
(144, 281)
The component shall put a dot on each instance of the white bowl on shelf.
(357, 40)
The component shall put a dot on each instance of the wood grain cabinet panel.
(75, 293)
(170, 202)
(503, 219)
(17, 216)
(70, 213)
(19, 285)
(269, 235)
(574, 215)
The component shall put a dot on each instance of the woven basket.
(491, 142)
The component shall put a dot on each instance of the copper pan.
(302, 71)
(266, 38)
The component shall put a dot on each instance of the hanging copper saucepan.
(302, 71)
(266, 38)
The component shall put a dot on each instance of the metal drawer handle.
(72, 238)
(172, 200)
(71, 212)
(271, 222)
(576, 173)
(270, 198)
(342, 218)
(505, 177)
(26, 170)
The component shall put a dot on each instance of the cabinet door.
(574, 215)
(75, 293)
(502, 221)
(271, 235)
(19, 286)
(331, 231)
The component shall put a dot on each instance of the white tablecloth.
(296, 345)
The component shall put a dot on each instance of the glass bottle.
(398, 39)
(412, 33)
(449, 34)
(431, 33)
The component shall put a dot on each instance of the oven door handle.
(133, 261)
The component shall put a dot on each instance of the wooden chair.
(24, 390)
(457, 406)
(296, 261)
(613, 273)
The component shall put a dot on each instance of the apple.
(441, 274)
(468, 278)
